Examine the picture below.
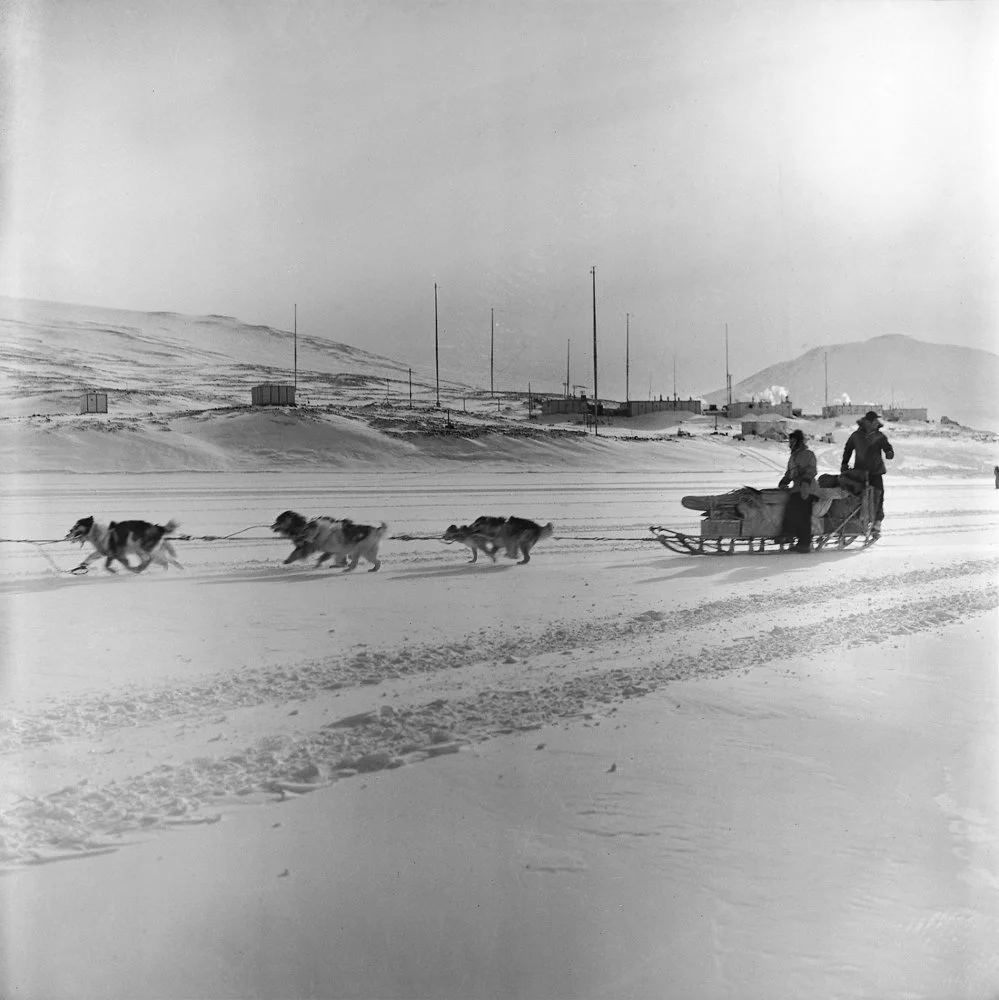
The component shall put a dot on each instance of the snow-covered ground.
(614, 772)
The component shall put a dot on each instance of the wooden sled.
(749, 521)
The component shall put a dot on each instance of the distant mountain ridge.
(961, 383)
(51, 352)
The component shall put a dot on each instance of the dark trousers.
(878, 482)
(798, 520)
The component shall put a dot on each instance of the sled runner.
(751, 520)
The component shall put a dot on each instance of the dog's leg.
(475, 553)
(169, 556)
(352, 564)
(377, 562)
(93, 557)
(323, 558)
(526, 549)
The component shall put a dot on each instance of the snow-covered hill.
(51, 353)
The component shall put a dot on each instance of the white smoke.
(843, 400)
(774, 395)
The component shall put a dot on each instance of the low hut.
(94, 402)
(273, 394)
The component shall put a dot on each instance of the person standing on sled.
(867, 444)
(801, 473)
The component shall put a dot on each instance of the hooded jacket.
(868, 444)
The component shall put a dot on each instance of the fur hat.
(796, 435)
(871, 415)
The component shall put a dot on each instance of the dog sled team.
(342, 540)
(803, 505)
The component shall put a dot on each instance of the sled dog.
(120, 539)
(479, 536)
(292, 526)
(519, 535)
(342, 540)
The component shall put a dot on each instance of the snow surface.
(613, 772)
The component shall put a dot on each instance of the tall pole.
(826, 358)
(627, 355)
(437, 354)
(568, 343)
(410, 388)
(296, 346)
(596, 397)
(674, 375)
(492, 344)
(728, 377)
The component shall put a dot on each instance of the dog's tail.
(170, 527)
(381, 529)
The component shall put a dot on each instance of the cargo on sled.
(751, 520)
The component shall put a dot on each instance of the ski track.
(561, 673)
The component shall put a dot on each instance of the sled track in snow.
(563, 672)
(906, 602)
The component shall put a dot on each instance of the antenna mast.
(627, 355)
(596, 406)
(437, 356)
(568, 344)
(825, 357)
(728, 377)
(492, 342)
(296, 346)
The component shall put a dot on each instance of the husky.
(292, 526)
(120, 539)
(342, 540)
(519, 535)
(479, 536)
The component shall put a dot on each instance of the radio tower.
(728, 377)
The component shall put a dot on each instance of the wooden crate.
(714, 528)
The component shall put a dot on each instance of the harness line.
(81, 570)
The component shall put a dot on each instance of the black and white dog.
(341, 540)
(118, 540)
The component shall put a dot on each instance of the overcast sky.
(806, 172)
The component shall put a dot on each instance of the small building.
(273, 394)
(94, 402)
(887, 412)
(573, 406)
(639, 407)
(772, 426)
(906, 413)
(849, 409)
(756, 406)
(566, 407)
